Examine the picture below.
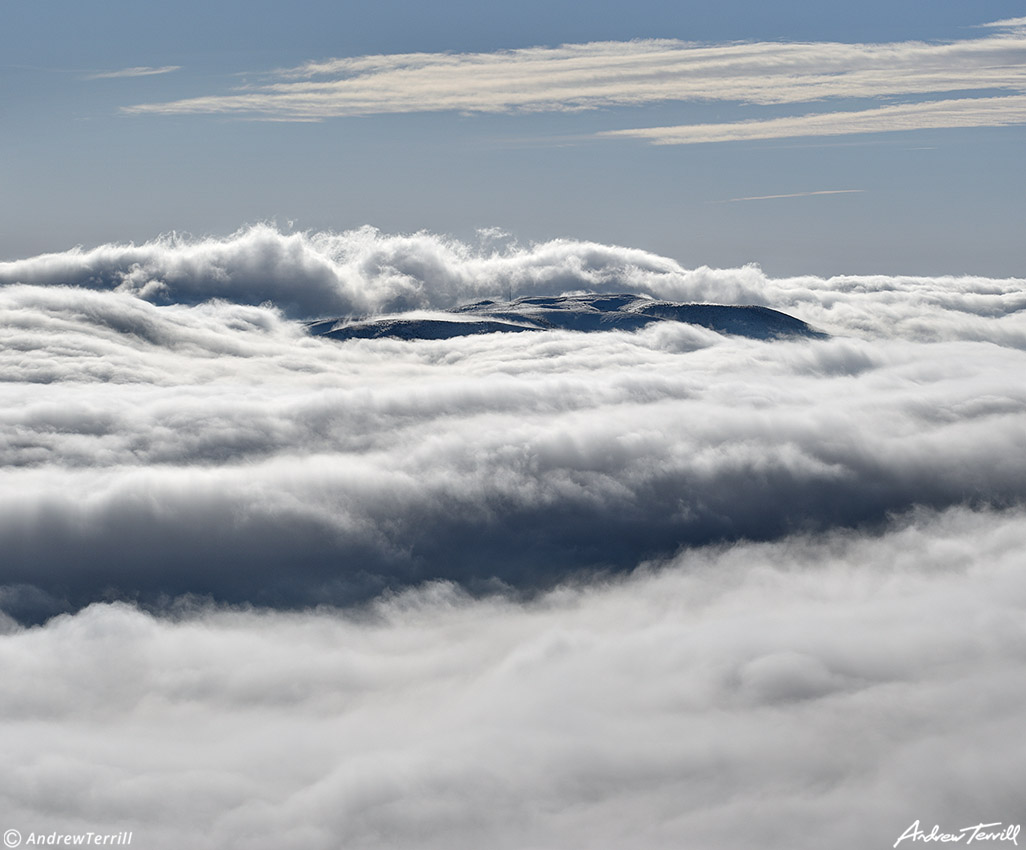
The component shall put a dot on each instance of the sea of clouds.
(554, 590)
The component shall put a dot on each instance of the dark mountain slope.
(586, 313)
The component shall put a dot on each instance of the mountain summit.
(585, 313)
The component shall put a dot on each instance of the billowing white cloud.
(801, 694)
(190, 432)
(314, 275)
(362, 271)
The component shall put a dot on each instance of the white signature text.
(970, 834)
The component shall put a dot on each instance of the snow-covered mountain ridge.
(587, 313)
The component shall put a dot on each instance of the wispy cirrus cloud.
(574, 77)
(796, 195)
(138, 71)
(940, 114)
(1007, 23)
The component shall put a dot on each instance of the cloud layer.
(801, 694)
(365, 272)
(145, 442)
(659, 589)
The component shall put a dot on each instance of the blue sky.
(120, 121)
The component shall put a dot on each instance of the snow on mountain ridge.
(578, 312)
